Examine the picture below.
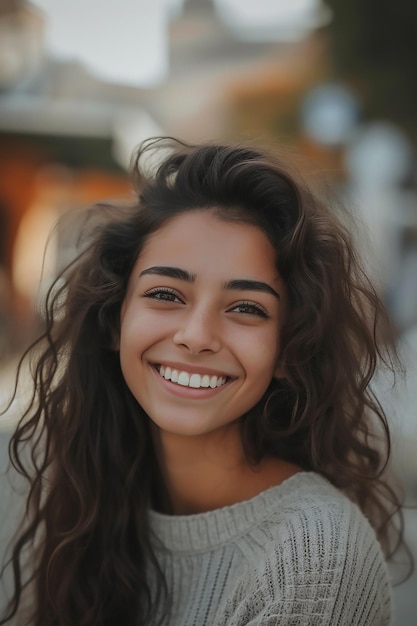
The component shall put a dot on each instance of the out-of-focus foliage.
(374, 47)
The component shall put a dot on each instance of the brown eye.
(168, 295)
(249, 308)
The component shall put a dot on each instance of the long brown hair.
(92, 469)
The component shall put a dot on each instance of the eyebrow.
(171, 272)
(243, 284)
(252, 285)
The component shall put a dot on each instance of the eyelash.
(251, 309)
(154, 293)
(169, 295)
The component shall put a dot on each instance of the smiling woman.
(206, 448)
(203, 302)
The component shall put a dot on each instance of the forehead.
(203, 239)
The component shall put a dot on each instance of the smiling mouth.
(190, 379)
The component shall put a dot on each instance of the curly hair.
(92, 470)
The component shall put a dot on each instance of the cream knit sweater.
(298, 554)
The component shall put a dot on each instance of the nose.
(199, 331)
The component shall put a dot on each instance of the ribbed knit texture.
(298, 554)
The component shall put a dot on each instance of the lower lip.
(188, 392)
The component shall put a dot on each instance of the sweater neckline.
(202, 531)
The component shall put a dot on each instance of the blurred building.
(223, 84)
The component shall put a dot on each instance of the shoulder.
(314, 548)
(318, 526)
(308, 506)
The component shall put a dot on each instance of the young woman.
(206, 449)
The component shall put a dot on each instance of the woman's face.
(200, 323)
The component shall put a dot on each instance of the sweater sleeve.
(326, 568)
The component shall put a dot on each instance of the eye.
(164, 294)
(249, 308)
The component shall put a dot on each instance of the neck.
(208, 472)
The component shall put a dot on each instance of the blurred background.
(332, 81)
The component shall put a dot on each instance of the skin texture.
(204, 323)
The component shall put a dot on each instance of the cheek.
(131, 338)
(135, 325)
(140, 330)
(261, 351)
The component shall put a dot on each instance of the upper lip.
(192, 369)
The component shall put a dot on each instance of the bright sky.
(124, 41)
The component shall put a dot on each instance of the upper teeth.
(191, 380)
